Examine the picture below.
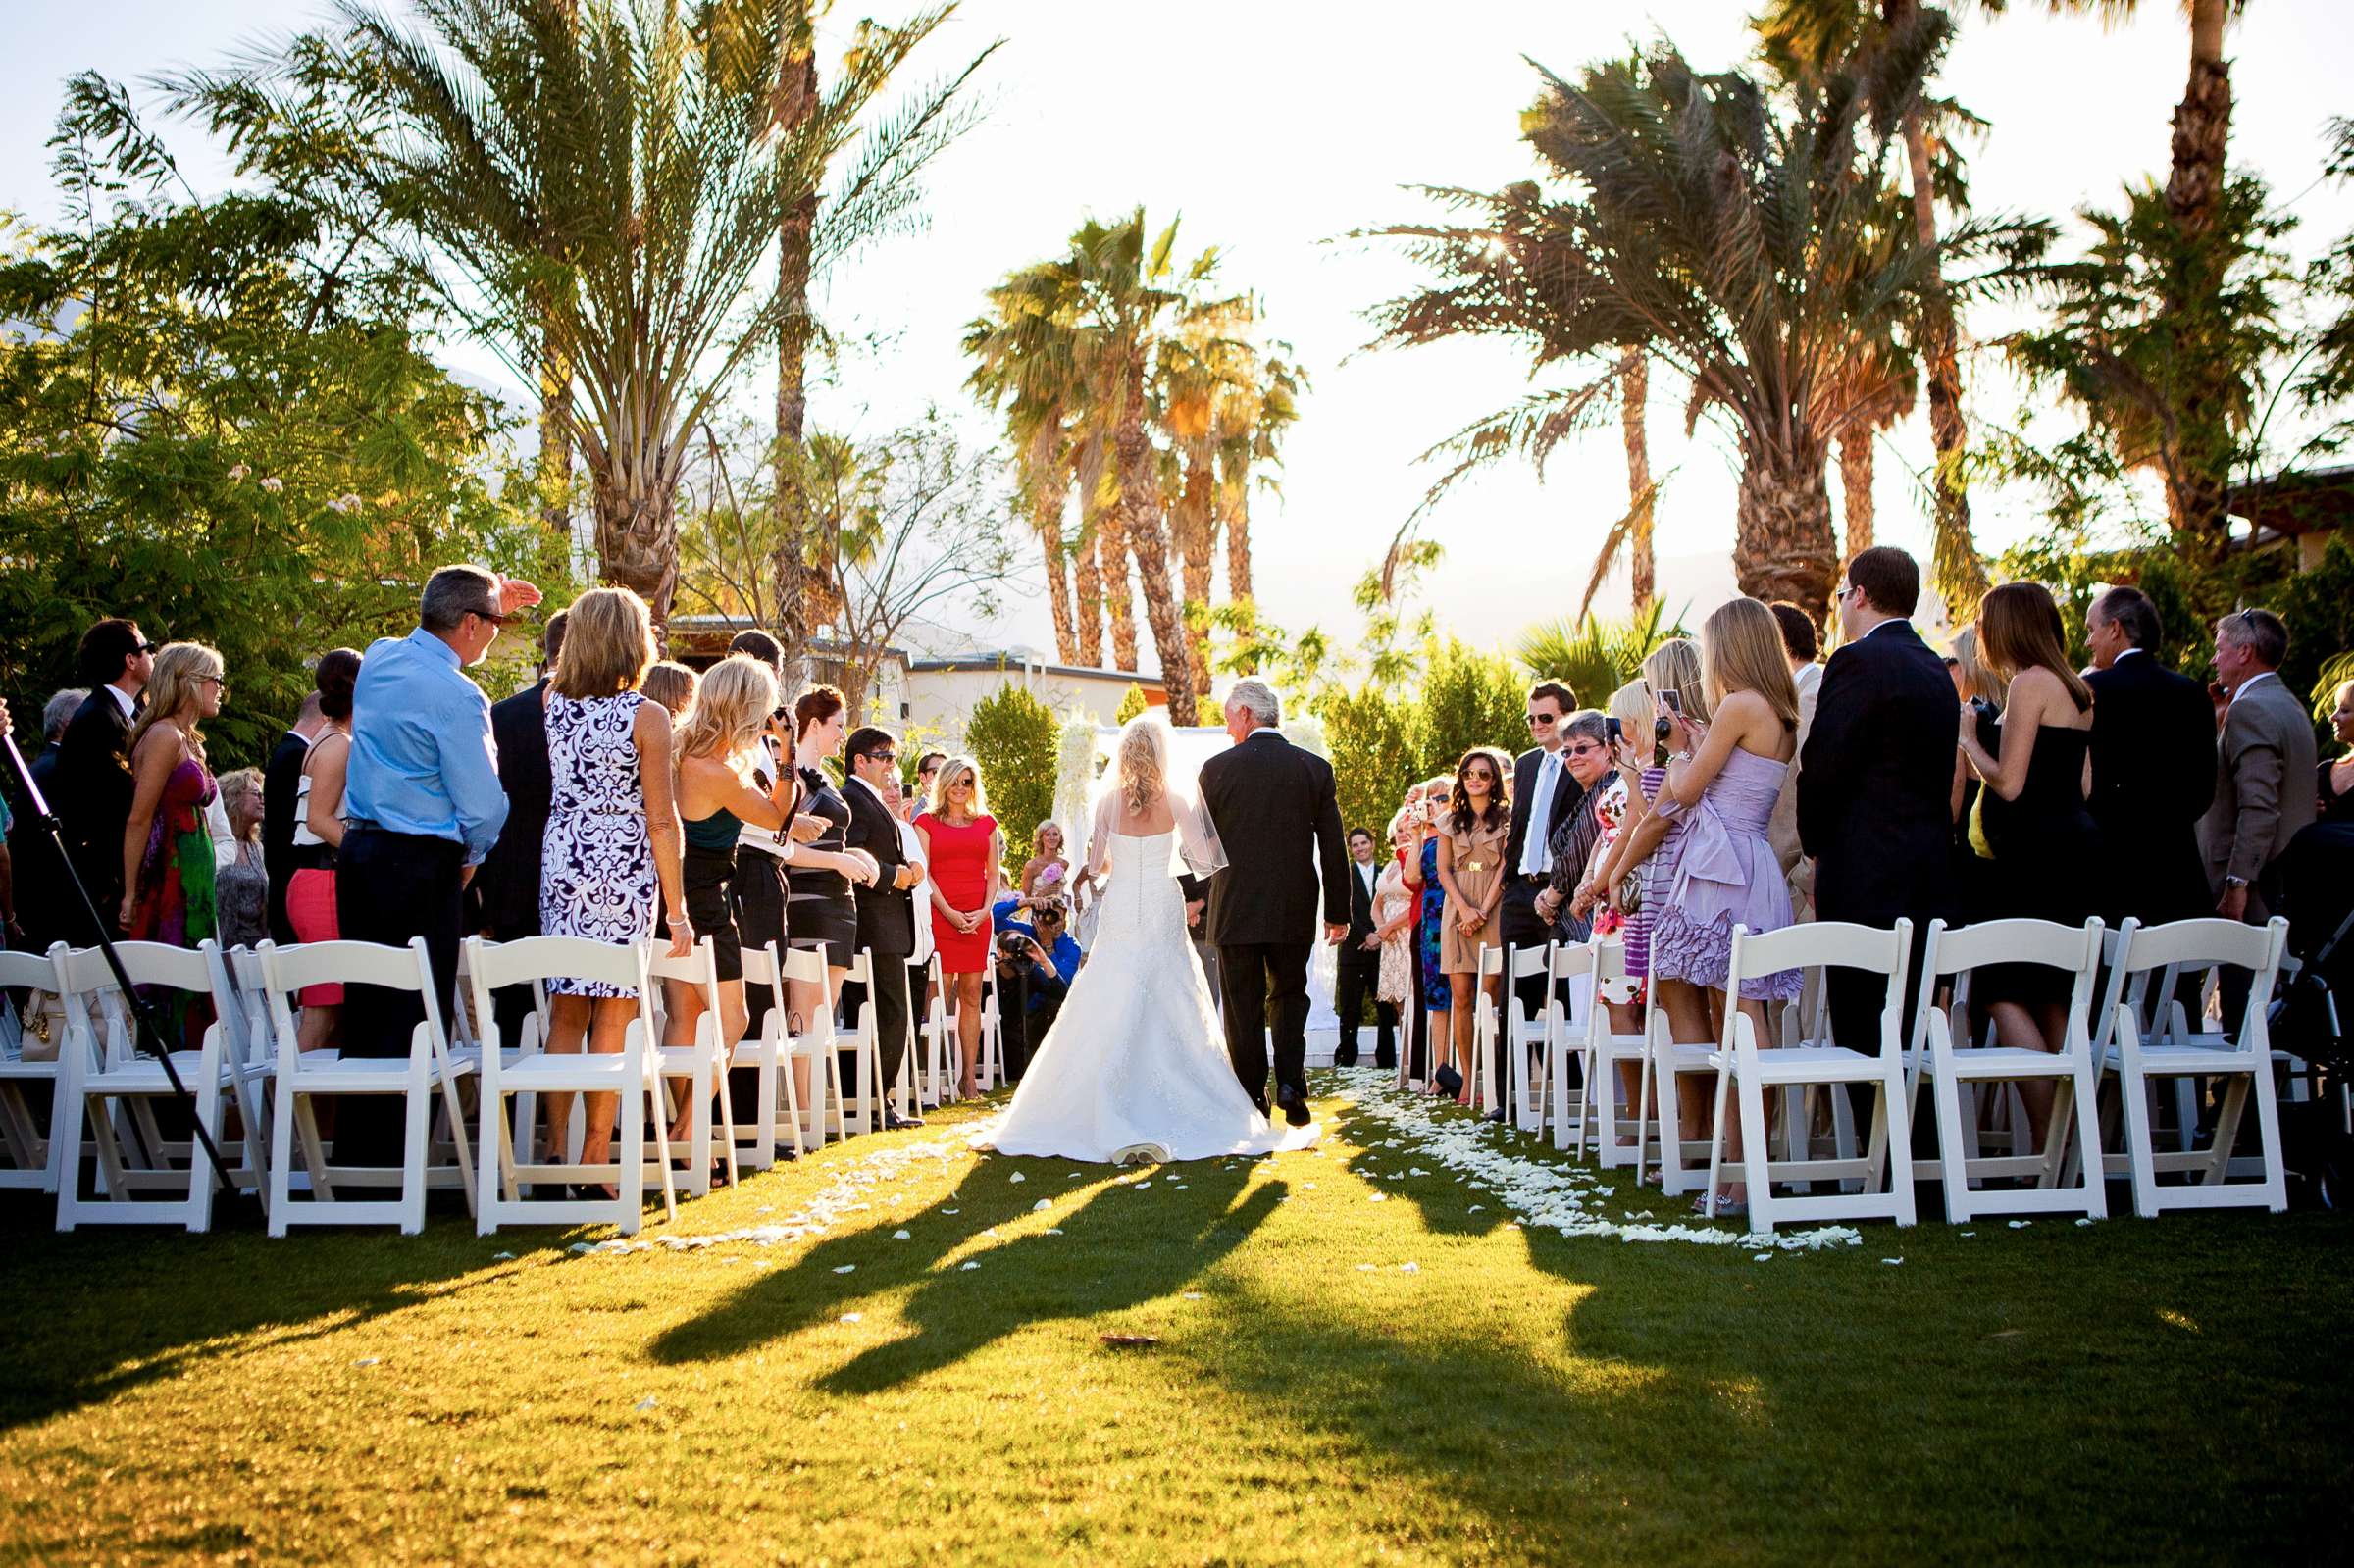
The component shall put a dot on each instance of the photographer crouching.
(1036, 964)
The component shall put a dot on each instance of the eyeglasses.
(1536, 719)
(218, 681)
(492, 616)
(146, 647)
(1841, 596)
(884, 757)
(1583, 747)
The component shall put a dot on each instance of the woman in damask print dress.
(612, 841)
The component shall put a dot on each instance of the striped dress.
(1657, 876)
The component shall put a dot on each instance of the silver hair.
(59, 710)
(454, 592)
(1257, 699)
(1586, 723)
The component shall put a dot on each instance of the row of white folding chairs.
(250, 1052)
(2138, 1037)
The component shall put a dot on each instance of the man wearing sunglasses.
(423, 805)
(95, 785)
(1545, 794)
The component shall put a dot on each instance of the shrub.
(1018, 743)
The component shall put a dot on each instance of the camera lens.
(1662, 729)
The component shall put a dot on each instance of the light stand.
(143, 1030)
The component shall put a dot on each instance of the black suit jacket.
(43, 894)
(94, 790)
(508, 880)
(2152, 732)
(1875, 782)
(281, 781)
(886, 914)
(1567, 793)
(1275, 809)
(1361, 919)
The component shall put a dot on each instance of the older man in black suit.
(94, 787)
(886, 910)
(1275, 808)
(1877, 777)
(2152, 732)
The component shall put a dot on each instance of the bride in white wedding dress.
(1136, 1064)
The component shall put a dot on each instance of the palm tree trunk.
(1854, 490)
(795, 98)
(1105, 523)
(1196, 522)
(638, 537)
(2198, 473)
(1634, 392)
(1087, 584)
(1235, 517)
(1048, 491)
(1783, 547)
(1139, 502)
(555, 440)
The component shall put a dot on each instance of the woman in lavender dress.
(1722, 786)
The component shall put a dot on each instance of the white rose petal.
(1041, 1206)
(854, 1317)
(970, 1266)
(846, 1268)
(1016, 1179)
(900, 1236)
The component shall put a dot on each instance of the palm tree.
(1028, 371)
(1634, 397)
(1890, 42)
(1202, 385)
(1250, 425)
(877, 195)
(1737, 240)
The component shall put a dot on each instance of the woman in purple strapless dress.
(1722, 785)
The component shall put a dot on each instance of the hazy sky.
(1275, 126)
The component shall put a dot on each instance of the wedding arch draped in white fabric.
(1086, 750)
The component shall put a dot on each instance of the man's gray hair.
(1586, 723)
(58, 709)
(454, 592)
(1257, 699)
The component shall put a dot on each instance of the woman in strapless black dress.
(2033, 816)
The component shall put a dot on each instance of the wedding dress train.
(1136, 1061)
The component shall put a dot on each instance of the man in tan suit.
(1803, 644)
(2264, 764)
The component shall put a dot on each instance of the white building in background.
(942, 691)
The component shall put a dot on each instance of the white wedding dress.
(1136, 1061)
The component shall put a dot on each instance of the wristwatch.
(2236, 881)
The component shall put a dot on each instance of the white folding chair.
(936, 1040)
(818, 1044)
(22, 1134)
(1568, 1038)
(863, 1098)
(699, 1063)
(633, 1073)
(1505, 1024)
(1601, 1107)
(252, 1050)
(2142, 1060)
(1666, 1063)
(102, 1072)
(1747, 1069)
(426, 1080)
(1944, 1056)
(762, 1053)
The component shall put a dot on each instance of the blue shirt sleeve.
(470, 770)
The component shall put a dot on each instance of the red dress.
(960, 859)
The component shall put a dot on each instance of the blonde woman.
(611, 847)
(961, 848)
(1045, 876)
(1136, 1060)
(672, 684)
(167, 849)
(716, 798)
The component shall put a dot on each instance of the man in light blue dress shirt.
(423, 806)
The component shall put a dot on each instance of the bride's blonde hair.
(1143, 761)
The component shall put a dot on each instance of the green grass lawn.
(2129, 1392)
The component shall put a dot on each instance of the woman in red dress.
(960, 845)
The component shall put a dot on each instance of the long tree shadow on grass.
(102, 1311)
(1021, 1282)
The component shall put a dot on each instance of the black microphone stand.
(144, 1033)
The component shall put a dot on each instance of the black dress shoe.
(1496, 1115)
(1348, 1060)
(892, 1121)
(1295, 1107)
(1261, 1100)
(1385, 1064)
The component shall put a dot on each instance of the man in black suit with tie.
(1875, 780)
(505, 889)
(1275, 810)
(1358, 969)
(282, 783)
(1543, 789)
(2152, 732)
(886, 910)
(94, 787)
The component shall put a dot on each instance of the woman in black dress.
(820, 913)
(2046, 846)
